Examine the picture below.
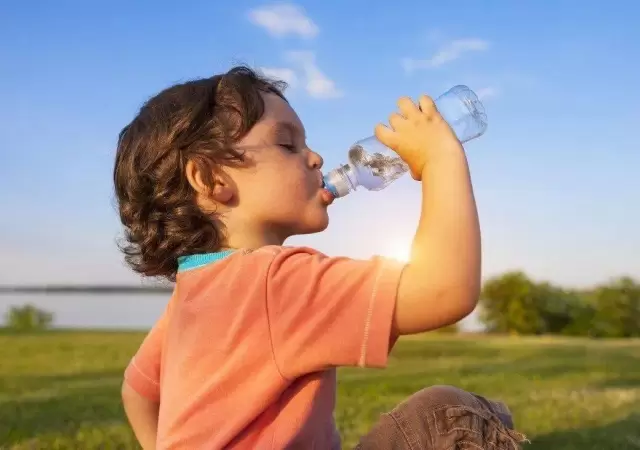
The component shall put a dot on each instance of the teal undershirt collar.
(190, 262)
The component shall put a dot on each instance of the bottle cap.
(337, 182)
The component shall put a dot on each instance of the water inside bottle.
(376, 170)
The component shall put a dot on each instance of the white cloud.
(282, 19)
(285, 74)
(316, 83)
(446, 54)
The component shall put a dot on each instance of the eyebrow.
(287, 127)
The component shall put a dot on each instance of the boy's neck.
(243, 232)
(252, 240)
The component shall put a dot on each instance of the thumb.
(387, 136)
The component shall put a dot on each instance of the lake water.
(82, 310)
(125, 311)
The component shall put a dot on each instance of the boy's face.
(279, 193)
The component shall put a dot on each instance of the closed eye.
(289, 147)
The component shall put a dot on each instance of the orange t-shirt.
(245, 354)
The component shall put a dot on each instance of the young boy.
(211, 177)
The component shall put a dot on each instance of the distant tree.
(616, 309)
(511, 303)
(563, 309)
(582, 319)
(28, 318)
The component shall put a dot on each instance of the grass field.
(60, 390)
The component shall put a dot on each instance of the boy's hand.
(418, 135)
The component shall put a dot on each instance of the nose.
(315, 160)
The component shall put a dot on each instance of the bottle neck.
(341, 180)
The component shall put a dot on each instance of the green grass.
(60, 390)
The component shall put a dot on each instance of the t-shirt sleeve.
(330, 311)
(143, 372)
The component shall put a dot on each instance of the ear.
(221, 191)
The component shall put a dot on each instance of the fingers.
(408, 108)
(396, 120)
(427, 106)
(386, 136)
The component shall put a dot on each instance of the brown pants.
(444, 418)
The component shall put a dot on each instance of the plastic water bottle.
(374, 166)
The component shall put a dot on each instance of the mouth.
(327, 195)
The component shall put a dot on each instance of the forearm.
(445, 266)
(447, 241)
(142, 415)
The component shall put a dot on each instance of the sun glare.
(400, 252)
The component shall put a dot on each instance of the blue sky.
(556, 175)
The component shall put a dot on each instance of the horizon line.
(82, 288)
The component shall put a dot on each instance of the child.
(212, 177)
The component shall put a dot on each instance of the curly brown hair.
(197, 121)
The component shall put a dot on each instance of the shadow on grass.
(621, 435)
(623, 381)
(61, 410)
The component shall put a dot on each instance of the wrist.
(454, 156)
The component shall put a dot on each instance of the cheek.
(279, 189)
(282, 198)
(295, 183)
(283, 189)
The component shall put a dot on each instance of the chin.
(316, 224)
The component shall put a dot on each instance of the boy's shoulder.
(254, 261)
(286, 249)
(268, 253)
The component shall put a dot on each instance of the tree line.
(513, 303)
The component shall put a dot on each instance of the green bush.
(28, 318)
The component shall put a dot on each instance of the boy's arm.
(141, 387)
(441, 283)
(142, 414)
